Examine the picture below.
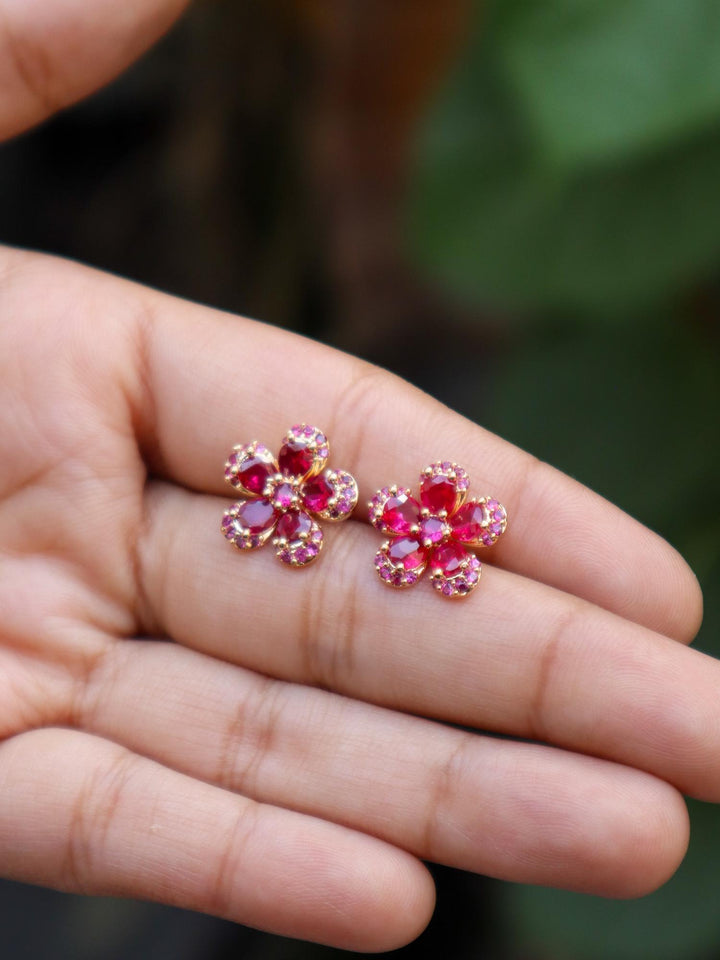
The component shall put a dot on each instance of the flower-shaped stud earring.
(285, 496)
(439, 531)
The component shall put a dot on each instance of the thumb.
(54, 52)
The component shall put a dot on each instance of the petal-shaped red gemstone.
(448, 559)
(407, 551)
(294, 525)
(400, 514)
(295, 458)
(252, 473)
(438, 493)
(467, 522)
(317, 493)
(257, 515)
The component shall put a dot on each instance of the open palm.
(185, 723)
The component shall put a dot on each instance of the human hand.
(247, 766)
(265, 756)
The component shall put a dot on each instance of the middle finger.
(517, 657)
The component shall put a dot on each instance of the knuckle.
(444, 787)
(241, 833)
(32, 67)
(356, 410)
(328, 620)
(250, 736)
(545, 673)
(92, 815)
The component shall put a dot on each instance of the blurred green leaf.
(632, 413)
(602, 79)
(502, 226)
(680, 920)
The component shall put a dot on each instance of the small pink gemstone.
(432, 530)
(302, 555)
(438, 493)
(448, 559)
(293, 525)
(411, 578)
(400, 514)
(257, 515)
(448, 589)
(317, 494)
(446, 465)
(308, 431)
(467, 523)
(252, 474)
(407, 551)
(229, 528)
(295, 458)
(496, 528)
(283, 496)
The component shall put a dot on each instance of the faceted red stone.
(432, 530)
(407, 551)
(293, 525)
(448, 558)
(317, 493)
(257, 515)
(295, 458)
(283, 495)
(467, 522)
(438, 493)
(253, 474)
(400, 513)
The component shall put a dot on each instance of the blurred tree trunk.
(374, 65)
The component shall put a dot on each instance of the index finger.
(217, 380)
(200, 381)
(54, 53)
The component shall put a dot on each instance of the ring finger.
(519, 657)
(517, 811)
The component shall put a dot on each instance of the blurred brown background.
(526, 195)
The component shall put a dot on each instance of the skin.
(187, 724)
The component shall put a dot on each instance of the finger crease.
(443, 789)
(539, 702)
(91, 817)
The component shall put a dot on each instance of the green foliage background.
(568, 183)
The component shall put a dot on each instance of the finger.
(517, 656)
(53, 52)
(516, 811)
(82, 814)
(195, 381)
(247, 381)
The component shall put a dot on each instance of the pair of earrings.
(284, 499)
